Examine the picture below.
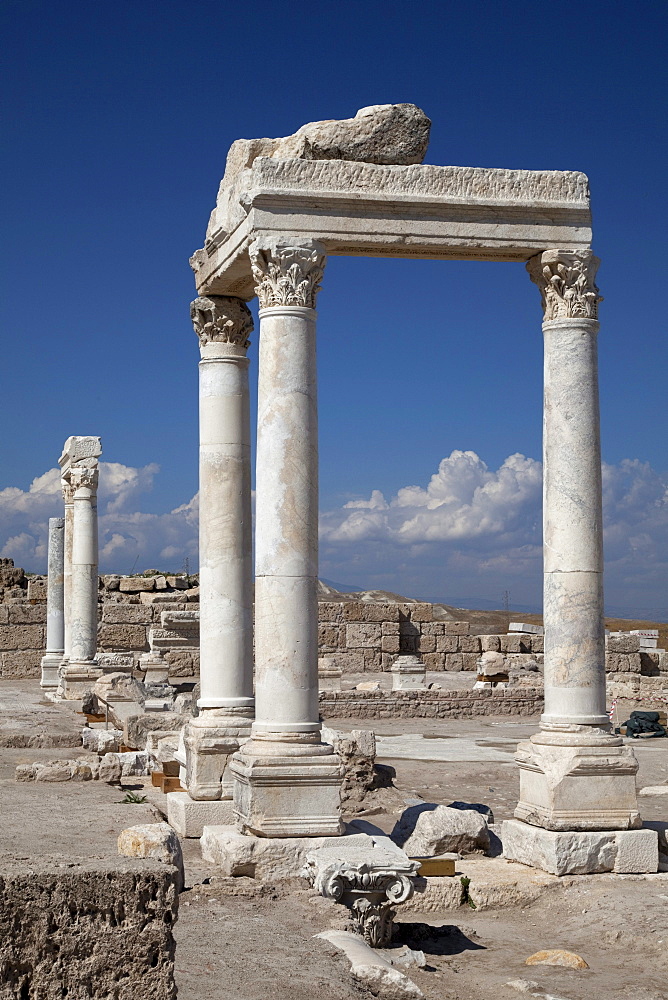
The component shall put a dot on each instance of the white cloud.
(476, 531)
(128, 538)
(470, 530)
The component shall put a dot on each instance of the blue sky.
(117, 121)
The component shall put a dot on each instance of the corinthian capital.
(566, 282)
(223, 319)
(287, 275)
(68, 491)
(83, 477)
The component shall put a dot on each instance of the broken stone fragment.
(428, 830)
(152, 840)
(557, 956)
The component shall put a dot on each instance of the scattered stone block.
(136, 728)
(557, 956)
(370, 969)
(136, 584)
(94, 929)
(188, 817)
(581, 852)
(152, 840)
(428, 830)
(177, 582)
(524, 627)
(235, 853)
(102, 741)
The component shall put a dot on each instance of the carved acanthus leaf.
(566, 282)
(68, 491)
(223, 319)
(83, 477)
(287, 275)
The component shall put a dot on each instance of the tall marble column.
(574, 774)
(68, 503)
(225, 547)
(79, 465)
(287, 780)
(55, 622)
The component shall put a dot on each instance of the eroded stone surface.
(97, 929)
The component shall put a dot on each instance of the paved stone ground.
(618, 923)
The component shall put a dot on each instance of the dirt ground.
(241, 940)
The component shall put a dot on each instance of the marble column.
(79, 465)
(68, 502)
(287, 780)
(575, 774)
(55, 622)
(225, 547)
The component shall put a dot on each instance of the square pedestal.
(578, 787)
(50, 666)
(291, 796)
(189, 817)
(208, 751)
(76, 681)
(583, 852)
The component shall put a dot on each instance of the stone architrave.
(79, 470)
(223, 325)
(55, 621)
(287, 780)
(575, 774)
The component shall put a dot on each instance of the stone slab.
(371, 969)
(270, 857)
(584, 852)
(189, 817)
(413, 746)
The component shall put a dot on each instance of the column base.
(50, 667)
(287, 794)
(77, 679)
(210, 740)
(189, 817)
(586, 785)
(580, 852)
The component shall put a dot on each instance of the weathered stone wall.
(363, 637)
(79, 928)
(359, 637)
(430, 704)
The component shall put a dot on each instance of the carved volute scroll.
(222, 319)
(566, 282)
(287, 275)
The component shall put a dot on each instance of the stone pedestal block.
(189, 817)
(288, 796)
(581, 852)
(209, 747)
(585, 787)
(408, 674)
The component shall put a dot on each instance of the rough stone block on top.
(136, 584)
(490, 643)
(622, 644)
(37, 589)
(114, 613)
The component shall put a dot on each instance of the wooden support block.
(171, 768)
(172, 785)
(430, 867)
(157, 777)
